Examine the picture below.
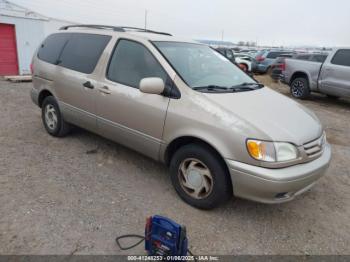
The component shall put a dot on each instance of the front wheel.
(200, 177)
(299, 88)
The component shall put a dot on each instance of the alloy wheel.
(298, 88)
(51, 117)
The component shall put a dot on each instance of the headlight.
(271, 151)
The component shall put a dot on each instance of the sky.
(267, 22)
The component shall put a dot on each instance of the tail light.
(31, 68)
(260, 58)
(283, 66)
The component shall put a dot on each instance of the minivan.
(220, 132)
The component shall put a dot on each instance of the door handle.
(88, 84)
(105, 90)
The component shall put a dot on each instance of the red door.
(8, 50)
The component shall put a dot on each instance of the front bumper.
(276, 185)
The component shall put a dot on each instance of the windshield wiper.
(237, 88)
(211, 88)
(247, 86)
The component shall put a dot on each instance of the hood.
(276, 116)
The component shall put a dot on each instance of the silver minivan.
(180, 102)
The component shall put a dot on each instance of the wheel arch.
(299, 74)
(178, 142)
(42, 95)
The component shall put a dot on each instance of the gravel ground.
(61, 196)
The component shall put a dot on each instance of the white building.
(21, 32)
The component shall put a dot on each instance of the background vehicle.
(330, 76)
(248, 51)
(244, 64)
(227, 52)
(247, 57)
(278, 66)
(265, 58)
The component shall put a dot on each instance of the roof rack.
(115, 28)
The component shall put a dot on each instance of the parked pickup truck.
(332, 77)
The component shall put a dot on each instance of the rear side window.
(318, 58)
(131, 62)
(273, 55)
(51, 48)
(342, 57)
(303, 57)
(76, 51)
(83, 51)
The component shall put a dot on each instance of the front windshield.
(199, 65)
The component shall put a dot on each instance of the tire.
(52, 118)
(299, 88)
(197, 159)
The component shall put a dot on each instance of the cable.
(194, 257)
(128, 236)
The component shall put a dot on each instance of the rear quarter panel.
(43, 75)
(309, 68)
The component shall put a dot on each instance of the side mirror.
(152, 85)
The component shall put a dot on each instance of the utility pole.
(222, 35)
(146, 13)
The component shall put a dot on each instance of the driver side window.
(131, 62)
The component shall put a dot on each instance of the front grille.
(314, 148)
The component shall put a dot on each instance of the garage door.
(8, 50)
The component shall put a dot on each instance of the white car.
(244, 64)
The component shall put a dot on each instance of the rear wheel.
(52, 118)
(299, 88)
(199, 176)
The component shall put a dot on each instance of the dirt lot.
(55, 198)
